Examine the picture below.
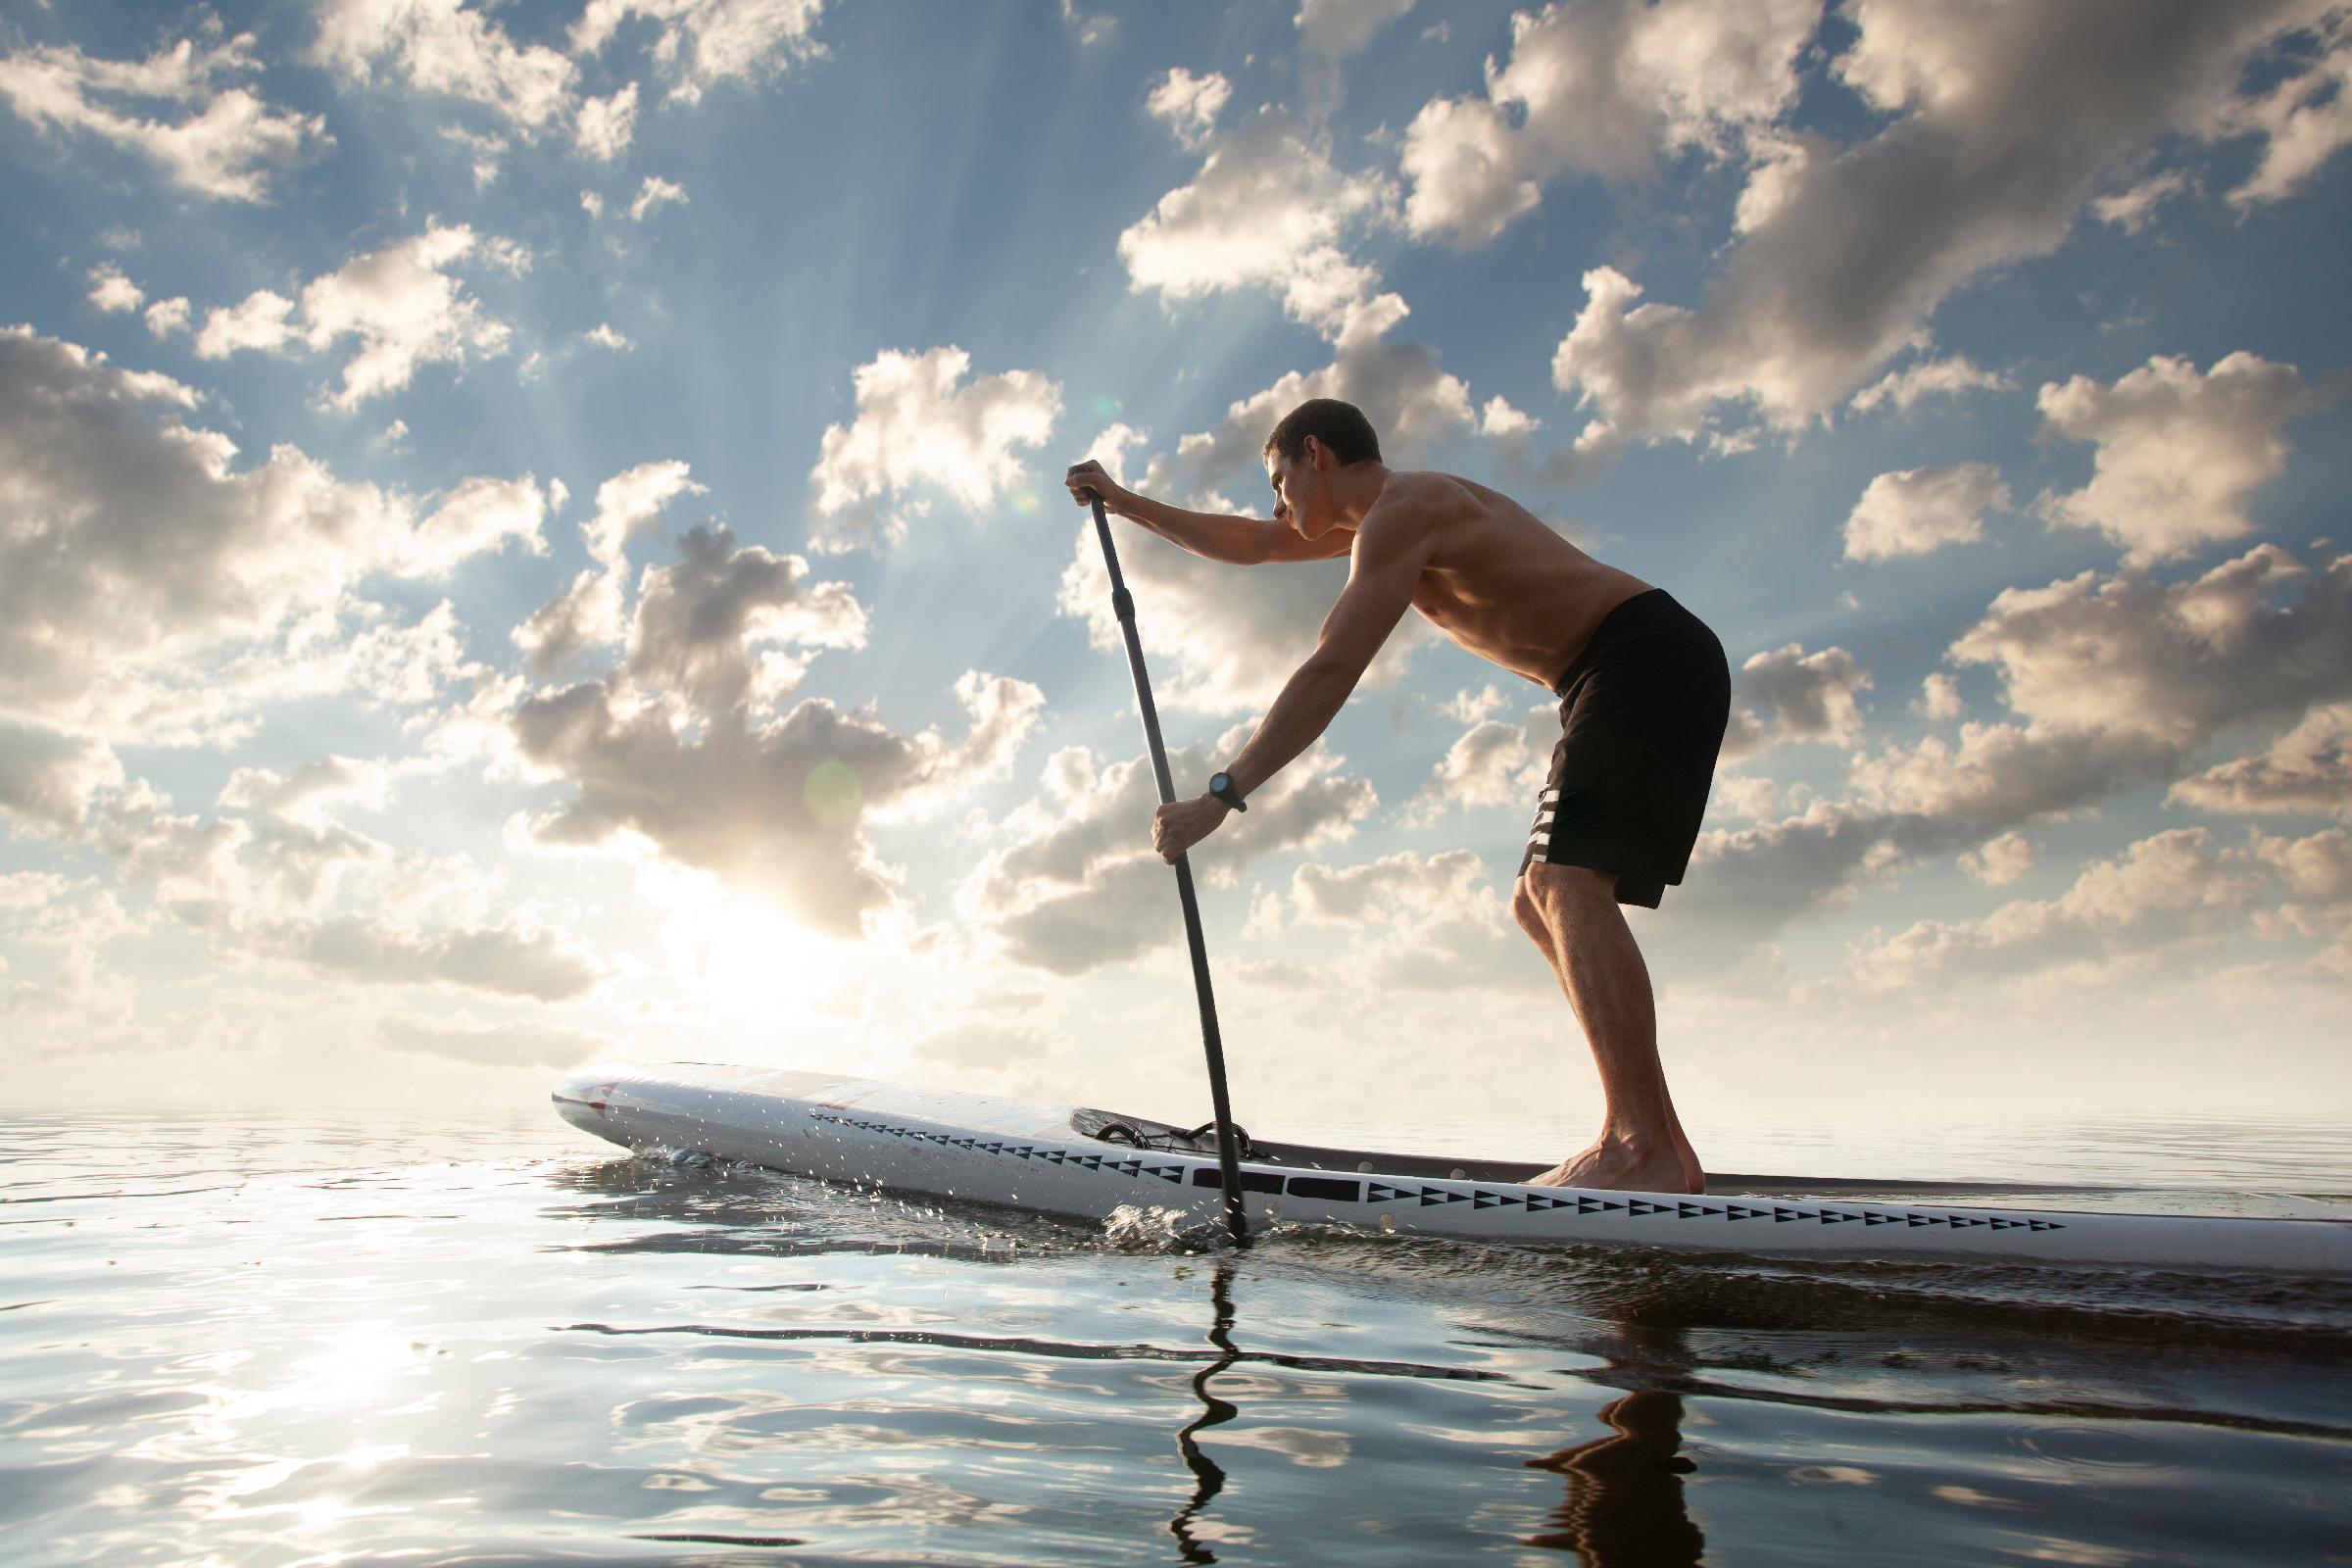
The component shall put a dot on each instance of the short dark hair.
(1340, 426)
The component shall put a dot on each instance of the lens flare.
(832, 793)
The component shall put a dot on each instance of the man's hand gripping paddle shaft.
(1122, 604)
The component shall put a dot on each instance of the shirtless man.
(1645, 696)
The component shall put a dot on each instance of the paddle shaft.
(1122, 603)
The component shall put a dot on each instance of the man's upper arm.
(1280, 544)
(1388, 553)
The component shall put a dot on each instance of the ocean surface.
(317, 1340)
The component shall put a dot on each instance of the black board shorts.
(1643, 712)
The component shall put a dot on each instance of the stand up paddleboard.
(1063, 1160)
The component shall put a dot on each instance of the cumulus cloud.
(681, 747)
(1111, 448)
(1330, 31)
(2122, 680)
(1939, 696)
(1493, 762)
(48, 780)
(778, 809)
(1079, 886)
(1089, 28)
(111, 293)
(1410, 401)
(1337, 27)
(2318, 875)
(607, 124)
(166, 317)
(1927, 378)
(1911, 512)
(2179, 454)
(1189, 104)
(1267, 209)
(1391, 886)
(2304, 118)
(1789, 695)
(265, 888)
(921, 427)
(2001, 862)
(701, 623)
(448, 48)
(702, 43)
(2113, 684)
(2305, 770)
(654, 195)
(399, 303)
(509, 962)
(305, 795)
(487, 150)
(93, 1000)
(132, 553)
(441, 46)
(1607, 88)
(588, 613)
(216, 140)
(2003, 116)
(1434, 923)
(2134, 209)
(2118, 916)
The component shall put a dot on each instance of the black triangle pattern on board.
(1480, 1198)
(1131, 1167)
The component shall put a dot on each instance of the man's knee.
(1525, 909)
(1547, 893)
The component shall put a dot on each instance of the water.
(311, 1342)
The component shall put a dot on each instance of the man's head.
(1340, 426)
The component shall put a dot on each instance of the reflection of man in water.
(1625, 1490)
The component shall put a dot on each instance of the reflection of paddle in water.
(1625, 1490)
(1209, 1475)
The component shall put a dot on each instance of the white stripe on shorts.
(1546, 804)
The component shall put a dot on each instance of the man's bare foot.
(1622, 1167)
(1692, 1173)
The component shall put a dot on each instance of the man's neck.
(1355, 488)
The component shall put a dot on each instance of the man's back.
(1494, 577)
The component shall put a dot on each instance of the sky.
(530, 535)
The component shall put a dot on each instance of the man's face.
(1293, 479)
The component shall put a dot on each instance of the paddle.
(1122, 603)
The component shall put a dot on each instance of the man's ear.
(1315, 452)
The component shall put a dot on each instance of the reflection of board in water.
(1067, 1160)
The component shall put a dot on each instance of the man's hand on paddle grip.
(1089, 475)
(1181, 824)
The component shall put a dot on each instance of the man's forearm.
(1310, 700)
(1237, 540)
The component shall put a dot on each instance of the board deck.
(1067, 1160)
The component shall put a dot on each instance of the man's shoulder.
(1428, 497)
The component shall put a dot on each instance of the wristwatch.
(1222, 786)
